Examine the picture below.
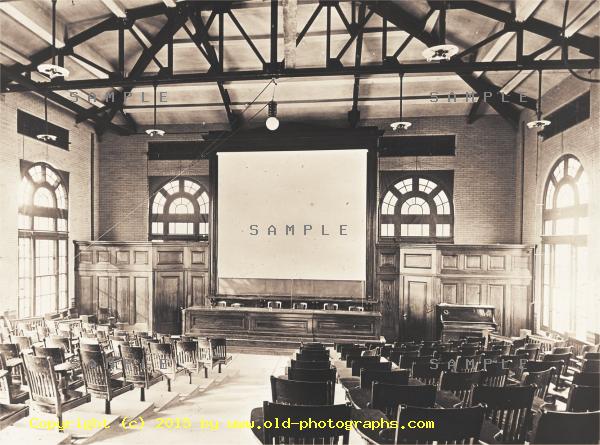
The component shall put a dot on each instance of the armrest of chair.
(512, 382)
(4, 374)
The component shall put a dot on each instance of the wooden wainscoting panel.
(85, 293)
(497, 298)
(473, 293)
(141, 299)
(450, 293)
(387, 294)
(140, 257)
(417, 261)
(122, 257)
(123, 297)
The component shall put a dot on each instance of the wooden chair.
(388, 397)
(452, 425)
(583, 398)
(59, 341)
(468, 349)
(97, 377)
(188, 358)
(509, 408)
(491, 356)
(315, 364)
(164, 361)
(219, 351)
(426, 373)
(312, 375)
(587, 379)
(312, 345)
(370, 363)
(312, 355)
(10, 392)
(449, 356)
(23, 343)
(355, 350)
(469, 363)
(565, 358)
(295, 392)
(494, 374)
(12, 361)
(591, 356)
(567, 428)
(540, 379)
(136, 370)
(396, 377)
(334, 414)
(45, 394)
(460, 384)
(10, 414)
(562, 350)
(589, 365)
(67, 377)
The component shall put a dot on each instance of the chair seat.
(9, 414)
(72, 399)
(350, 382)
(155, 377)
(119, 386)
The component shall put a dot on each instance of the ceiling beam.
(401, 18)
(573, 27)
(321, 72)
(354, 113)
(587, 45)
(290, 32)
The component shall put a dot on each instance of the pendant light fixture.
(52, 70)
(441, 52)
(400, 125)
(539, 123)
(272, 123)
(46, 136)
(155, 131)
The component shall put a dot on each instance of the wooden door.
(196, 288)
(168, 302)
(415, 308)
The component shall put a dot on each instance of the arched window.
(417, 207)
(567, 302)
(43, 216)
(179, 210)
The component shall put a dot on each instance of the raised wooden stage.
(280, 327)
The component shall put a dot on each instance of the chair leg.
(190, 374)
(219, 368)
(60, 423)
(107, 406)
(205, 372)
(142, 394)
(169, 385)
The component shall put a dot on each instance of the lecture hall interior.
(299, 221)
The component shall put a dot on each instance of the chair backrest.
(347, 350)
(314, 364)
(310, 355)
(587, 379)
(9, 350)
(491, 356)
(590, 366)
(396, 377)
(540, 379)
(296, 430)
(356, 356)
(95, 370)
(508, 408)
(135, 368)
(469, 362)
(218, 346)
(468, 349)
(59, 341)
(23, 342)
(312, 375)
(427, 373)
(583, 398)
(369, 362)
(537, 366)
(562, 349)
(296, 392)
(530, 353)
(461, 384)
(514, 363)
(564, 427)
(115, 342)
(591, 355)
(565, 358)
(163, 357)
(494, 374)
(447, 356)
(186, 351)
(388, 397)
(41, 379)
(452, 425)
(56, 354)
(312, 345)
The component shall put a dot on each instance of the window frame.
(550, 241)
(34, 235)
(196, 218)
(432, 219)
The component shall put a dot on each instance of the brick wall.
(123, 194)
(76, 161)
(582, 141)
(484, 181)
(484, 175)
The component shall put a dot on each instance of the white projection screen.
(292, 215)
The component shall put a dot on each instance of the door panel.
(415, 307)
(168, 302)
(197, 287)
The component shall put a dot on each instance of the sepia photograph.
(362, 222)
